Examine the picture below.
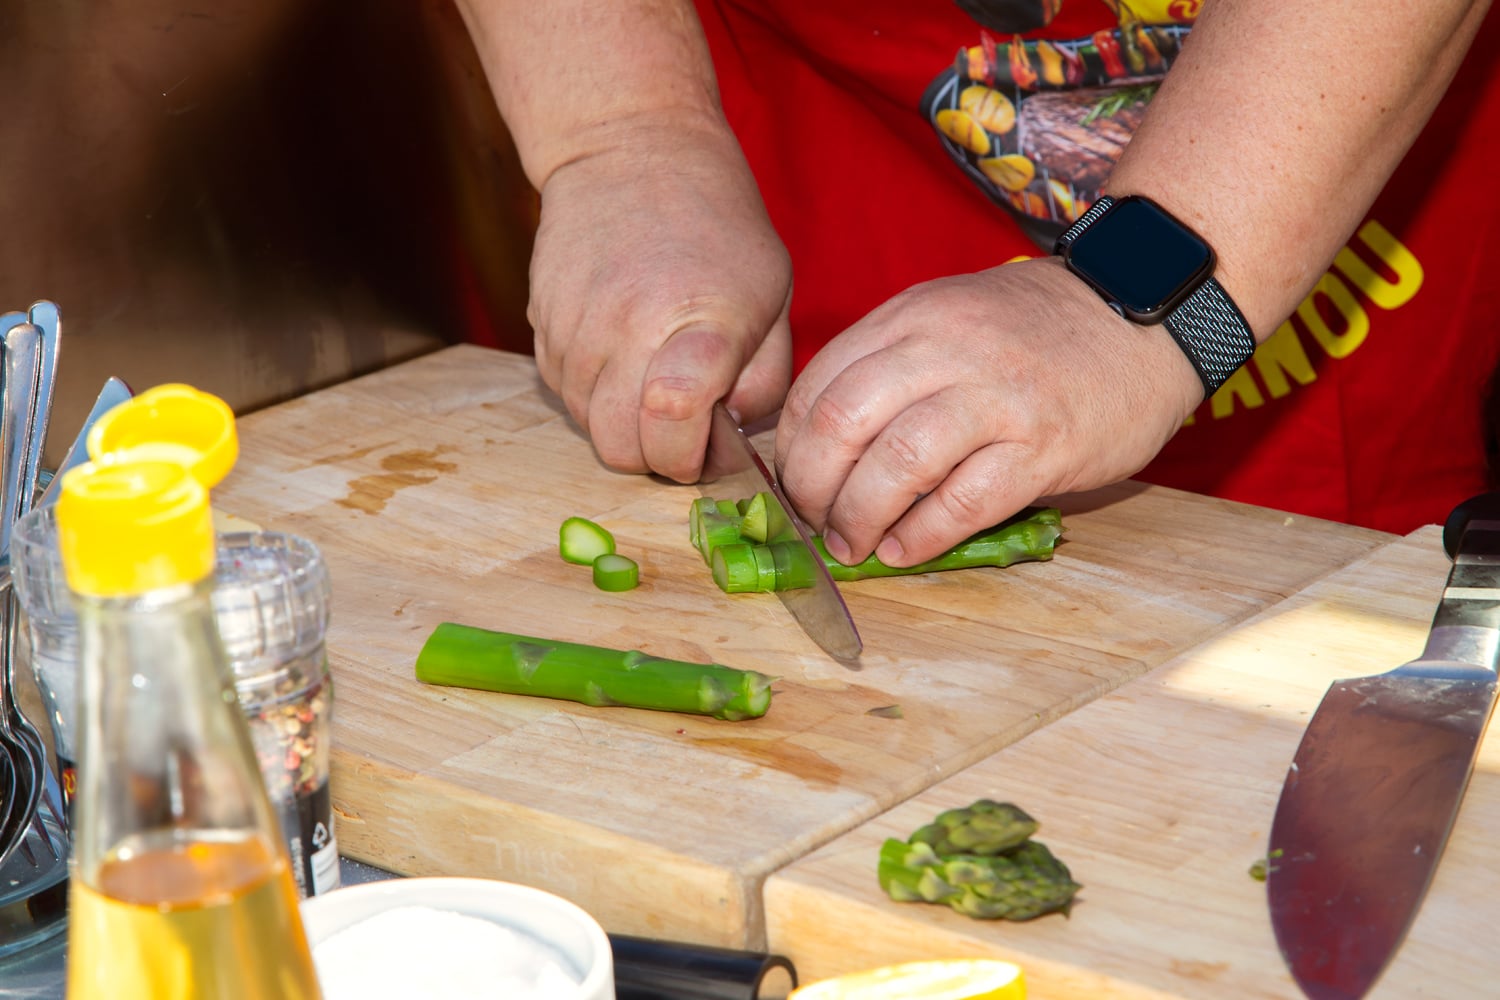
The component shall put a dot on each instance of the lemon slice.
(951, 979)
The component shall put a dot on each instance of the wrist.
(1152, 269)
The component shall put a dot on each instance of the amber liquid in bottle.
(190, 917)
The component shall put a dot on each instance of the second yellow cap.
(174, 423)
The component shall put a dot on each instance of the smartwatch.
(1151, 268)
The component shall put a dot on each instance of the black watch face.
(1141, 259)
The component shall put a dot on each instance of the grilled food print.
(989, 108)
(1013, 172)
(1077, 136)
(964, 129)
(1039, 124)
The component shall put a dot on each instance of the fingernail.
(890, 551)
(836, 546)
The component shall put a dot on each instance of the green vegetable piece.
(463, 656)
(985, 827)
(716, 529)
(753, 526)
(616, 572)
(716, 509)
(581, 541)
(695, 519)
(742, 568)
(1029, 536)
(1016, 882)
(764, 520)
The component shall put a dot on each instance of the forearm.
(574, 77)
(1279, 125)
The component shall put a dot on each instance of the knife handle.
(649, 969)
(1466, 625)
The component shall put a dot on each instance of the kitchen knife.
(733, 470)
(1376, 783)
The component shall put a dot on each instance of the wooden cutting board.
(1159, 797)
(435, 490)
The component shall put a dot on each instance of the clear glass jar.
(271, 602)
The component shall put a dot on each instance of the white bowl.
(578, 940)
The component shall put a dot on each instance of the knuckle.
(828, 419)
(906, 454)
(967, 502)
(671, 397)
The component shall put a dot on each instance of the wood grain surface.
(1159, 797)
(435, 490)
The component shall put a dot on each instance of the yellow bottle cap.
(129, 526)
(949, 979)
(172, 423)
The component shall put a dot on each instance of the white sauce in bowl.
(419, 951)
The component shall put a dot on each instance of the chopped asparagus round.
(615, 572)
(581, 541)
(753, 527)
(716, 529)
(463, 656)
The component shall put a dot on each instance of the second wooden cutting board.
(436, 489)
(1160, 797)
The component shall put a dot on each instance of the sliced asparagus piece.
(463, 656)
(739, 567)
(754, 511)
(986, 827)
(616, 572)
(581, 541)
(745, 568)
(1023, 883)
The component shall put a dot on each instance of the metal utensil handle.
(1466, 625)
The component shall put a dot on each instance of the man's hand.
(658, 287)
(962, 400)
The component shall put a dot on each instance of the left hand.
(960, 401)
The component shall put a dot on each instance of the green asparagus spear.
(1030, 535)
(982, 862)
(463, 656)
(985, 827)
(1024, 883)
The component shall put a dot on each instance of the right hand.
(658, 286)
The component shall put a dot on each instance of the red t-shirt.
(862, 121)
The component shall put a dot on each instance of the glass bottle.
(182, 886)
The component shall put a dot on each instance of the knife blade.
(734, 470)
(111, 395)
(1375, 786)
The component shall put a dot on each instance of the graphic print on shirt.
(1039, 124)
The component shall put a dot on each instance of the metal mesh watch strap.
(1212, 333)
(1207, 325)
